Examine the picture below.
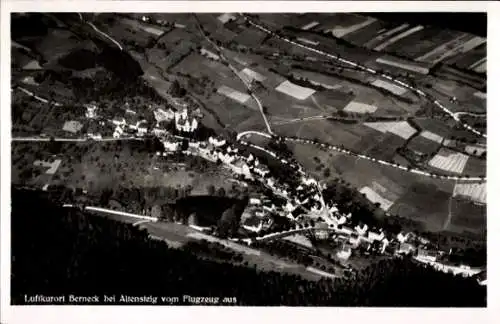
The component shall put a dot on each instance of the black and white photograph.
(310, 159)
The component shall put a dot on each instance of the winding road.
(365, 157)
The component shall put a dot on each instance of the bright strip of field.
(431, 136)
(458, 48)
(478, 63)
(233, 94)
(475, 150)
(299, 239)
(474, 191)
(401, 129)
(449, 161)
(414, 68)
(481, 68)
(296, 91)
(389, 86)
(253, 75)
(374, 197)
(398, 37)
(229, 244)
(310, 25)
(307, 41)
(344, 31)
(210, 54)
(442, 48)
(359, 107)
(320, 272)
(480, 94)
(225, 17)
(52, 166)
(384, 35)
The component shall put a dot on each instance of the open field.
(422, 145)
(366, 33)
(375, 197)
(233, 94)
(401, 129)
(296, 91)
(102, 168)
(468, 216)
(449, 161)
(474, 191)
(389, 86)
(358, 107)
(422, 42)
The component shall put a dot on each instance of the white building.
(361, 230)
(374, 236)
(255, 201)
(171, 146)
(91, 111)
(163, 115)
(118, 132)
(240, 167)
(119, 121)
(345, 253)
(216, 142)
(159, 131)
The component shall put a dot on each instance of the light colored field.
(449, 161)
(457, 46)
(479, 66)
(52, 166)
(414, 68)
(253, 75)
(320, 272)
(310, 25)
(229, 244)
(480, 94)
(443, 48)
(225, 17)
(307, 41)
(299, 239)
(374, 197)
(477, 63)
(343, 31)
(148, 29)
(401, 129)
(398, 37)
(32, 65)
(210, 54)
(152, 30)
(384, 35)
(293, 90)
(474, 191)
(475, 150)
(359, 107)
(431, 136)
(72, 126)
(389, 86)
(233, 94)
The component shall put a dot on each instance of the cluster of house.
(301, 201)
(183, 121)
(129, 124)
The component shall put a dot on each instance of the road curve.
(100, 32)
(367, 69)
(233, 69)
(365, 157)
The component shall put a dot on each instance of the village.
(303, 204)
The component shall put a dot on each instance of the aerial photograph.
(248, 159)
